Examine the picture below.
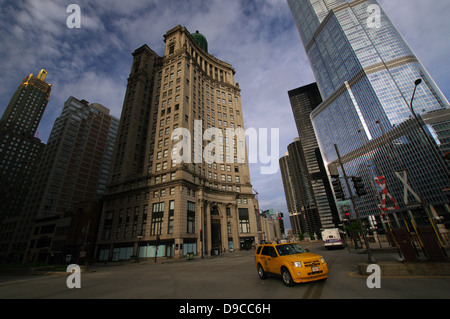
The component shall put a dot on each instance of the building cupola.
(200, 39)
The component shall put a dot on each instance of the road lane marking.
(314, 290)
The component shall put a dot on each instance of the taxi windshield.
(289, 249)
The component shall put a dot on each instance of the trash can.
(190, 256)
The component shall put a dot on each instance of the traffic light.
(360, 188)
(347, 216)
(338, 191)
(280, 220)
(345, 213)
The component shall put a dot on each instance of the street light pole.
(371, 259)
(138, 246)
(157, 244)
(439, 158)
(424, 203)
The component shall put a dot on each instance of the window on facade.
(171, 213)
(157, 218)
(144, 219)
(106, 232)
(244, 222)
(190, 217)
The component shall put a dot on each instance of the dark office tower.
(378, 106)
(303, 101)
(303, 191)
(19, 149)
(25, 110)
(290, 195)
(74, 168)
(20, 152)
(154, 201)
(302, 212)
(75, 164)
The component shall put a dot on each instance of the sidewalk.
(165, 260)
(392, 263)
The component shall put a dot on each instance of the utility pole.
(371, 259)
(259, 215)
(157, 244)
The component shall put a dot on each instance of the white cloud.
(258, 38)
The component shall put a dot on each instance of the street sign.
(344, 202)
(381, 181)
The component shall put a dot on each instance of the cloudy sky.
(258, 37)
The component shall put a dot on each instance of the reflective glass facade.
(366, 76)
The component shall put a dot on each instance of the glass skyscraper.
(366, 75)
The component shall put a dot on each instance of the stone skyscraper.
(152, 199)
(367, 76)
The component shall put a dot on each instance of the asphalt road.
(224, 278)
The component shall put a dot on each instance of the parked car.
(290, 261)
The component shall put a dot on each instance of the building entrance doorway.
(216, 241)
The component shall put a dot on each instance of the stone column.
(201, 226)
(207, 242)
(223, 227)
(235, 227)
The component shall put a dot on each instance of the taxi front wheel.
(287, 278)
(262, 274)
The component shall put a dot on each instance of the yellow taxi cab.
(290, 261)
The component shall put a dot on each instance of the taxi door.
(275, 262)
(268, 258)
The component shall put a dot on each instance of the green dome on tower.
(200, 40)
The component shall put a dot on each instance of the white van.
(333, 237)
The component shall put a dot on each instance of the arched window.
(215, 211)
